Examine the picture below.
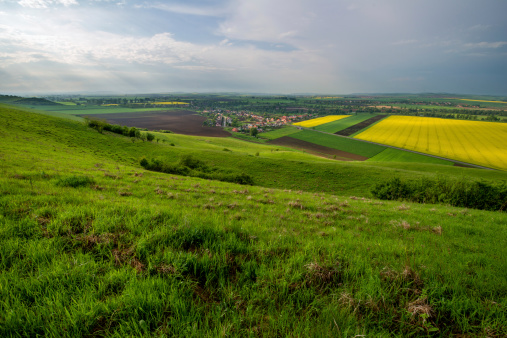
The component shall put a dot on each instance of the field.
(178, 121)
(286, 131)
(316, 149)
(320, 120)
(93, 245)
(170, 103)
(395, 155)
(484, 101)
(341, 143)
(481, 143)
(360, 126)
(333, 127)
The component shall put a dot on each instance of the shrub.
(99, 125)
(191, 166)
(459, 193)
(192, 162)
(133, 132)
(74, 181)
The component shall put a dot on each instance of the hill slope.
(91, 244)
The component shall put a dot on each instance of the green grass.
(93, 245)
(67, 103)
(396, 155)
(340, 143)
(285, 131)
(333, 127)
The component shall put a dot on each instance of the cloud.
(404, 42)
(479, 28)
(263, 45)
(484, 44)
(186, 9)
(46, 3)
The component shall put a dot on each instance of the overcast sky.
(263, 46)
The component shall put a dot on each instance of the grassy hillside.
(92, 245)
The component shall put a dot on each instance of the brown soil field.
(361, 125)
(316, 149)
(178, 121)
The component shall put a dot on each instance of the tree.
(254, 132)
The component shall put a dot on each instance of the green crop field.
(91, 244)
(286, 131)
(396, 155)
(333, 127)
(340, 143)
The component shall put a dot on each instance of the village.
(243, 121)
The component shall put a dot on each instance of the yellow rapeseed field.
(483, 143)
(320, 120)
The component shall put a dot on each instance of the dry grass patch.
(403, 207)
(296, 205)
(420, 307)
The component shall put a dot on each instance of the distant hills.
(34, 101)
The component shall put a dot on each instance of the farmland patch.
(320, 120)
(396, 155)
(333, 127)
(316, 149)
(340, 143)
(360, 126)
(178, 121)
(481, 143)
(271, 135)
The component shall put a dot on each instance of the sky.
(253, 46)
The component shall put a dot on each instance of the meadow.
(481, 143)
(92, 244)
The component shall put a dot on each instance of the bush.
(74, 181)
(460, 193)
(192, 162)
(133, 132)
(191, 166)
(99, 125)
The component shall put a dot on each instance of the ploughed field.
(178, 121)
(482, 143)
